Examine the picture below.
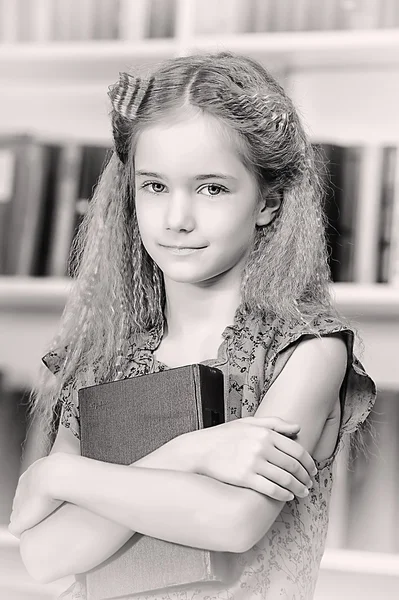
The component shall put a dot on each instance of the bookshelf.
(345, 84)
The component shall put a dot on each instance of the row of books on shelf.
(72, 20)
(55, 20)
(372, 478)
(46, 187)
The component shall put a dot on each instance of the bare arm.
(73, 539)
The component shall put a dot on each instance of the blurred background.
(339, 61)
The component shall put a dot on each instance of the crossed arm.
(96, 520)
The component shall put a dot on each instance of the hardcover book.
(124, 420)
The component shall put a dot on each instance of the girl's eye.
(153, 183)
(214, 186)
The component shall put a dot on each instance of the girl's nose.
(179, 212)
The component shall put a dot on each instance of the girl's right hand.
(257, 453)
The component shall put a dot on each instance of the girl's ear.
(269, 207)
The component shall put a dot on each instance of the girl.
(204, 242)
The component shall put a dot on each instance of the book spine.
(386, 213)
(359, 15)
(19, 205)
(347, 209)
(328, 15)
(282, 16)
(261, 15)
(367, 221)
(373, 480)
(162, 18)
(62, 20)
(106, 19)
(8, 157)
(300, 15)
(393, 268)
(32, 215)
(134, 20)
(82, 17)
(9, 21)
(41, 20)
(64, 209)
(332, 175)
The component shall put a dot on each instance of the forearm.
(73, 539)
(183, 508)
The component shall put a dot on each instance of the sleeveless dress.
(284, 564)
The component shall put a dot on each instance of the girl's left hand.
(33, 501)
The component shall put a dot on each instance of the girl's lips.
(182, 251)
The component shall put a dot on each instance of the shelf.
(69, 62)
(357, 561)
(311, 49)
(40, 293)
(102, 60)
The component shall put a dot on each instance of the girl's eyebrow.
(198, 177)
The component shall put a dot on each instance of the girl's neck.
(200, 315)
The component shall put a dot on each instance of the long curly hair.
(118, 290)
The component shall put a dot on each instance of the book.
(106, 19)
(13, 426)
(162, 18)
(9, 21)
(124, 420)
(393, 266)
(24, 211)
(8, 156)
(386, 232)
(374, 482)
(64, 220)
(134, 20)
(367, 218)
(41, 20)
(348, 207)
(340, 192)
(92, 160)
(223, 17)
(359, 14)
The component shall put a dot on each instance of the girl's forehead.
(198, 137)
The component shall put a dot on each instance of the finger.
(282, 478)
(289, 464)
(269, 488)
(274, 423)
(296, 451)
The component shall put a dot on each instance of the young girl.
(204, 242)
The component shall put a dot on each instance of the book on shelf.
(23, 213)
(373, 481)
(13, 427)
(223, 17)
(340, 174)
(134, 20)
(45, 189)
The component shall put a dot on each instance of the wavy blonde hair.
(118, 290)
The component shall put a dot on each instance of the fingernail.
(306, 493)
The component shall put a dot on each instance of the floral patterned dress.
(284, 564)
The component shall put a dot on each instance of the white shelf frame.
(36, 293)
(71, 61)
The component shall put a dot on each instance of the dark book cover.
(121, 422)
(65, 197)
(348, 206)
(389, 177)
(373, 480)
(331, 173)
(92, 163)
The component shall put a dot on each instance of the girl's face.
(193, 191)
